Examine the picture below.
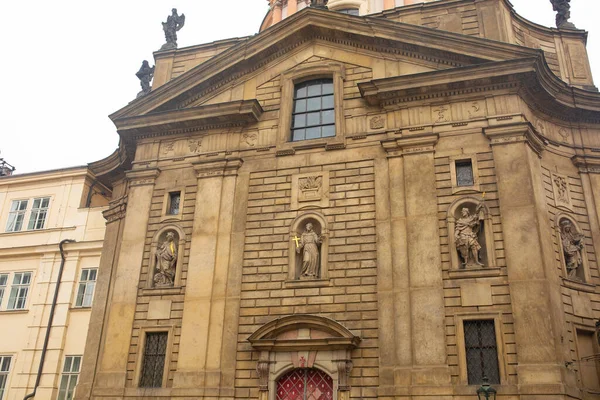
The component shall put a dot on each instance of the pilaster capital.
(516, 133)
(587, 164)
(209, 169)
(417, 144)
(142, 177)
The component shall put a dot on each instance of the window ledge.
(474, 273)
(70, 228)
(309, 283)
(163, 291)
(80, 308)
(290, 148)
(24, 311)
(581, 286)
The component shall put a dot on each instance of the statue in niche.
(563, 13)
(572, 244)
(166, 261)
(309, 246)
(466, 234)
(145, 75)
(174, 23)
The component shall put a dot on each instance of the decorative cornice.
(142, 177)
(516, 133)
(413, 144)
(587, 163)
(235, 113)
(210, 169)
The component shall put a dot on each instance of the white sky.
(66, 65)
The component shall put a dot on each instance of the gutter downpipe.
(50, 318)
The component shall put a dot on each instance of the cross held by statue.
(297, 240)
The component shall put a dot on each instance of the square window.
(69, 377)
(19, 291)
(314, 110)
(3, 282)
(481, 351)
(174, 203)
(153, 362)
(38, 214)
(464, 173)
(87, 284)
(5, 362)
(16, 215)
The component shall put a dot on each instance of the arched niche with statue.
(166, 258)
(308, 248)
(471, 235)
(573, 255)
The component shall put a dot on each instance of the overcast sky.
(66, 65)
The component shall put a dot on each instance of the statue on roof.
(174, 23)
(563, 13)
(145, 75)
(322, 4)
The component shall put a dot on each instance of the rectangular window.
(3, 281)
(19, 290)
(153, 362)
(313, 114)
(481, 351)
(16, 215)
(38, 214)
(4, 370)
(464, 173)
(174, 203)
(87, 284)
(69, 377)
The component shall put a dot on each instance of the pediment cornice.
(373, 34)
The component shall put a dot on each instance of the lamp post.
(485, 391)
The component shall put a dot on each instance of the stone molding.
(209, 169)
(116, 210)
(516, 133)
(142, 177)
(414, 144)
(587, 164)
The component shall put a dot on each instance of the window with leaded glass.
(481, 351)
(464, 173)
(87, 284)
(4, 370)
(69, 377)
(38, 214)
(19, 290)
(174, 203)
(153, 361)
(313, 114)
(16, 215)
(349, 11)
(3, 282)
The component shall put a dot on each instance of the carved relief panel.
(310, 189)
(561, 188)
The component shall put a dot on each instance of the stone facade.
(457, 194)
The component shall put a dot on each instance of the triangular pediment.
(425, 48)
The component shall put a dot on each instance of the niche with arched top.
(571, 243)
(308, 247)
(470, 233)
(166, 257)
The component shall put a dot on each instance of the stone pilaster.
(534, 286)
(589, 170)
(112, 366)
(420, 357)
(199, 364)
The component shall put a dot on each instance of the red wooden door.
(305, 384)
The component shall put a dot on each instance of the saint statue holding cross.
(308, 243)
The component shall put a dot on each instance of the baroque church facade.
(397, 205)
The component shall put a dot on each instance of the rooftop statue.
(563, 13)
(174, 23)
(145, 75)
(319, 4)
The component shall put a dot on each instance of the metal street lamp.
(485, 391)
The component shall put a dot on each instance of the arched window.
(313, 115)
(305, 384)
(350, 11)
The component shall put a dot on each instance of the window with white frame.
(39, 211)
(19, 291)
(16, 215)
(4, 370)
(3, 282)
(69, 377)
(87, 284)
(37, 214)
